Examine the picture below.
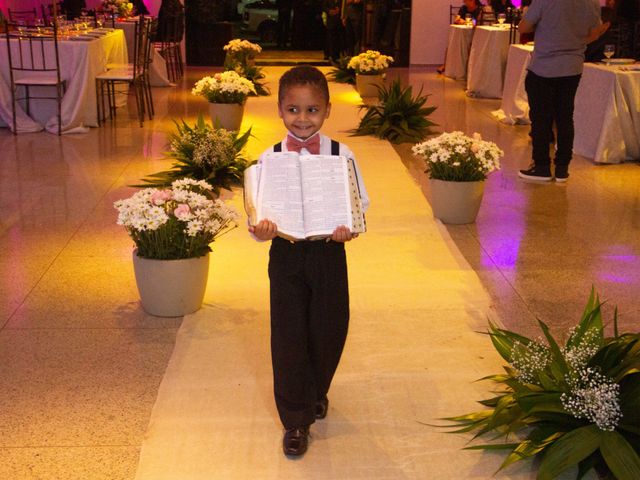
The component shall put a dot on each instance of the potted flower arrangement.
(457, 166)
(571, 404)
(122, 8)
(172, 229)
(226, 93)
(203, 152)
(240, 57)
(369, 67)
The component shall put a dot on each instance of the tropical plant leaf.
(400, 117)
(621, 458)
(341, 73)
(569, 450)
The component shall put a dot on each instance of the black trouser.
(309, 322)
(551, 100)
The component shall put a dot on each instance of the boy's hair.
(303, 75)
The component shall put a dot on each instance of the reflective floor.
(80, 362)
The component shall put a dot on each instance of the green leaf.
(621, 458)
(569, 450)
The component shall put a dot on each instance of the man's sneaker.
(537, 173)
(562, 173)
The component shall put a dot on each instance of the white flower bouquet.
(370, 62)
(175, 223)
(244, 47)
(225, 87)
(124, 8)
(456, 157)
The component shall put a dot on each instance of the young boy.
(308, 279)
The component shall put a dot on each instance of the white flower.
(225, 87)
(237, 45)
(370, 62)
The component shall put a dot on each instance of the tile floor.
(80, 363)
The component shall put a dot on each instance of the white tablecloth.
(158, 68)
(457, 56)
(80, 62)
(515, 104)
(487, 62)
(607, 108)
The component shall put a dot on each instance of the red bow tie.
(312, 144)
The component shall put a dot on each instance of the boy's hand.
(342, 234)
(264, 230)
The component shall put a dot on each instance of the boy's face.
(303, 110)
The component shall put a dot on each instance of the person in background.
(470, 7)
(331, 9)
(139, 7)
(563, 29)
(352, 18)
(73, 8)
(170, 29)
(284, 21)
(595, 49)
(501, 6)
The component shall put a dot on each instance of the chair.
(28, 16)
(135, 75)
(168, 40)
(34, 62)
(513, 26)
(453, 12)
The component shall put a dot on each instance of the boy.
(308, 279)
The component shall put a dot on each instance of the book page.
(279, 193)
(326, 196)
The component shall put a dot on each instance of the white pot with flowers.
(241, 52)
(457, 166)
(226, 93)
(172, 229)
(370, 67)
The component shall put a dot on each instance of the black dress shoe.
(296, 441)
(322, 407)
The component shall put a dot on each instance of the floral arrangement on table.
(341, 73)
(398, 117)
(123, 8)
(225, 87)
(370, 62)
(456, 157)
(240, 58)
(202, 152)
(175, 223)
(571, 404)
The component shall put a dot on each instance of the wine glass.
(501, 18)
(39, 24)
(467, 19)
(609, 50)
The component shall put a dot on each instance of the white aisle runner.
(412, 354)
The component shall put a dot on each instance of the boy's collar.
(303, 139)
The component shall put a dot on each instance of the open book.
(306, 196)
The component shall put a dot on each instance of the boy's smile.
(303, 109)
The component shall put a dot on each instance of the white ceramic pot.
(367, 84)
(456, 202)
(171, 288)
(226, 115)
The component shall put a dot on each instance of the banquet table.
(80, 61)
(458, 47)
(487, 61)
(607, 108)
(158, 68)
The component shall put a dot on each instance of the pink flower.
(182, 211)
(161, 196)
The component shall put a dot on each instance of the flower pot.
(367, 84)
(226, 115)
(171, 288)
(456, 202)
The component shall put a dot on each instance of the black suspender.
(335, 147)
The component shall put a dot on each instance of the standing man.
(563, 28)
(284, 21)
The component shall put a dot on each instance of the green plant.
(341, 73)
(203, 152)
(240, 58)
(399, 117)
(576, 404)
